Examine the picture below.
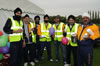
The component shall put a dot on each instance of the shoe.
(32, 63)
(67, 64)
(26, 64)
(36, 61)
(56, 60)
(51, 60)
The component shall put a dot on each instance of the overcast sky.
(67, 7)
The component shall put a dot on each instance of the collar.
(89, 24)
(69, 24)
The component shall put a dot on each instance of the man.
(45, 39)
(71, 30)
(29, 42)
(87, 33)
(38, 45)
(59, 27)
(14, 27)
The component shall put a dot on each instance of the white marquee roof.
(25, 5)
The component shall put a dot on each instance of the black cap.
(17, 9)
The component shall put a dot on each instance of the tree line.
(94, 17)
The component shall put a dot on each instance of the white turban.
(85, 15)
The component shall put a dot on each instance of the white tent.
(7, 7)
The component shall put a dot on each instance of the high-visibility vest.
(58, 32)
(69, 33)
(93, 32)
(33, 35)
(45, 32)
(14, 37)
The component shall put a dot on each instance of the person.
(45, 39)
(71, 30)
(38, 45)
(59, 27)
(29, 41)
(87, 33)
(14, 27)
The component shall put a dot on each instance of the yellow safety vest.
(58, 32)
(33, 35)
(69, 33)
(45, 32)
(15, 26)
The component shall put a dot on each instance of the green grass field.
(44, 62)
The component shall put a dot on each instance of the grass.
(44, 62)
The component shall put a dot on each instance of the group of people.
(29, 39)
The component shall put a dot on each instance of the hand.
(40, 36)
(53, 36)
(24, 44)
(64, 31)
(76, 37)
(32, 29)
(86, 38)
(18, 31)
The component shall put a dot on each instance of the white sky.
(67, 7)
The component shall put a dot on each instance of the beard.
(37, 22)
(85, 23)
(17, 17)
(46, 21)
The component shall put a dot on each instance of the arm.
(7, 27)
(95, 30)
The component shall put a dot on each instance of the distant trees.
(94, 17)
(62, 19)
(79, 19)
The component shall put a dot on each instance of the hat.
(85, 15)
(17, 9)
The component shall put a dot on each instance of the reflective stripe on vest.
(15, 26)
(45, 32)
(58, 33)
(69, 33)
